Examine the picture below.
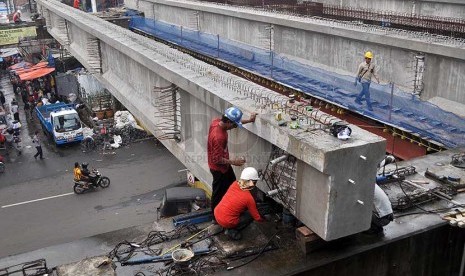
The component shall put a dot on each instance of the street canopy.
(36, 73)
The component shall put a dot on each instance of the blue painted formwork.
(408, 111)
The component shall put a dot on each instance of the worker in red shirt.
(218, 153)
(76, 4)
(231, 211)
(17, 16)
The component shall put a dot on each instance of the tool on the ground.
(185, 241)
(420, 181)
(193, 218)
(444, 179)
(458, 160)
(398, 174)
(162, 258)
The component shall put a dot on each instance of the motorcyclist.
(88, 174)
(9, 141)
(78, 175)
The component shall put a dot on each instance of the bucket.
(182, 255)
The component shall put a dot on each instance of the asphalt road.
(38, 207)
(138, 174)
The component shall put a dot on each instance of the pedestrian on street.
(15, 110)
(2, 99)
(218, 153)
(365, 72)
(37, 142)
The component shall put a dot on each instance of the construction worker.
(382, 207)
(76, 4)
(17, 16)
(231, 211)
(218, 153)
(366, 70)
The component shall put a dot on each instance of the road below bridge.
(39, 212)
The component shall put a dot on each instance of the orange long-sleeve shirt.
(233, 204)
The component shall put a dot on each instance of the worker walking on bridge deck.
(218, 153)
(366, 70)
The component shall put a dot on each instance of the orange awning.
(36, 73)
(22, 64)
(41, 64)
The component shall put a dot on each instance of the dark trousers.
(244, 220)
(16, 116)
(39, 152)
(220, 185)
(378, 223)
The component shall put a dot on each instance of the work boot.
(214, 229)
(370, 108)
(357, 101)
(233, 234)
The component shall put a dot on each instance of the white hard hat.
(18, 11)
(249, 174)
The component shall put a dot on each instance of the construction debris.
(456, 218)
(95, 266)
(112, 134)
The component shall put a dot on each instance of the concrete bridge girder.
(334, 179)
(315, 42)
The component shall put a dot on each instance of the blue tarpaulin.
(408, 112)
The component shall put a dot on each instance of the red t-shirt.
(16, 17)
(233, 204)
(217, 147)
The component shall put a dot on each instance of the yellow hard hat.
(369, 55)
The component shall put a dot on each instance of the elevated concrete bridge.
(327, 183)
(314, 41)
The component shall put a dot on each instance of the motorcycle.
(97, 180)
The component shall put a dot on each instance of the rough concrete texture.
(314, 41)
(132, 66)
(444, 8)
(95, 266)
(454, 107)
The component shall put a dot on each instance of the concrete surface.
(444, 8)
(452, 106)
(132, 66)
(315, 41)
(95, 266)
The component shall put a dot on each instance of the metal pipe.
(275, 192)
(280, 159)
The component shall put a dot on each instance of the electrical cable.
(256, 256)
(124, 250)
